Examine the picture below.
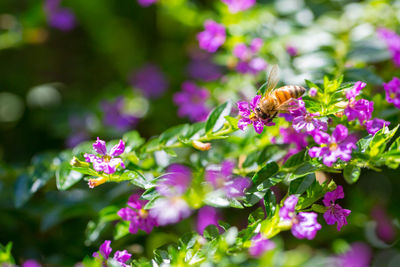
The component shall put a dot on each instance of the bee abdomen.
(287, 92)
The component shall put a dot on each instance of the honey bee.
(277, 100)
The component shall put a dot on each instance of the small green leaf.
(233, 122)
(295, 160)
(132, 140)
(216, 118)
(351, 173)
(270, 203)
(261, 90)
(211, 232)
(300, 185)
(265, 172)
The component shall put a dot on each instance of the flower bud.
(75, 162)
(96, 182)
(201, 146)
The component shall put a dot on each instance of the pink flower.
(239, 5)
(359, 255)
(212, 37)
(260, 245)
(335, 213)
(291, 50)
(139, 217)
(150, 81)
(305, 121)
(247, 113)
(146, 3)
(105, 250)
(352, 93)
(392, 90)
(206, 216)
(373, 126)
(392, 41)
(248, 62)
(104, 162)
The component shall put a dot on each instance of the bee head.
(260, 114)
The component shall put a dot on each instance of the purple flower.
(137, 215)
(146, 3)
(221, 178)
(172, 207)
(335, 212)
(359, 255)
(104, 162)
(248, 62)
(212, 37)
(290, 136)
(305, 121)
(79, 129)
(206, 216)
(392, 41)
(239, 5)
(355, 90)
(30, 263)
(313, 92)
(259, 245)
(339, 145)
(105, 250)
(360, 109)
(248, 115)
(375, 125)
(291, 50)
(150, 80)
(304, 224)
(191, 102)
(392, 90)
(58, 17)
(114, 115)
(202, 68)
(385, 228)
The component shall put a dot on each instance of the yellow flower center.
(143, 213)
(333, 146)
(106, 158)
(392, 95)
(252, 116)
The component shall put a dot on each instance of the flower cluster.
(121, 257)
(115, 116)
(103, 162)
(358, 109)
(150, 81)
(304, 224)
(392, 90)
(59, 17)
(392, 41)
(191, 102)
(339, 145)
(335, 213)
(171, 207)
(139, 217)
(248, 115)
(221, 179)
(239, 5)
(303, 121)
(248, 61)
(212, 37)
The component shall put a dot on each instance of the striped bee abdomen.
(287, 92)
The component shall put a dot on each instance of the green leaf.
(351, 173)
(216, 118)
(171, 135)
(378, 143)
(314, 193)
(270, 203)
(121, 229)
(261, 90)
(265, 172)
(211, 232)
(65, 176)
(256, 216)
(132, 140)
(233, 122)
(295, 159)
(300, 185)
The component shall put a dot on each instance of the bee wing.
(288, 105)
(273, 78)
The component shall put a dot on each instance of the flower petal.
(100, 147)
(118, 149)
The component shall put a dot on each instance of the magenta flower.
(238, 5)
(290, 136)
(59, 17)
(146, 3)
(291, 50)
(29, 263)
(150, 80)
(221, 178)
(172, 207)
(304, 224)
(335, 213)
(392, 41)
(375, 125)
(392, 90)
(352, 93)
(305, 121)
(385, 228)
(105, 250)
(248, 115)
(115, 116)
(248, 62)
(207, 216)
(191, 102)
(260, 245)
(359, 255)
(313, 92)
(212, 37)
(104, 162)
(361, 109)
(339, 145)
(139, 217)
